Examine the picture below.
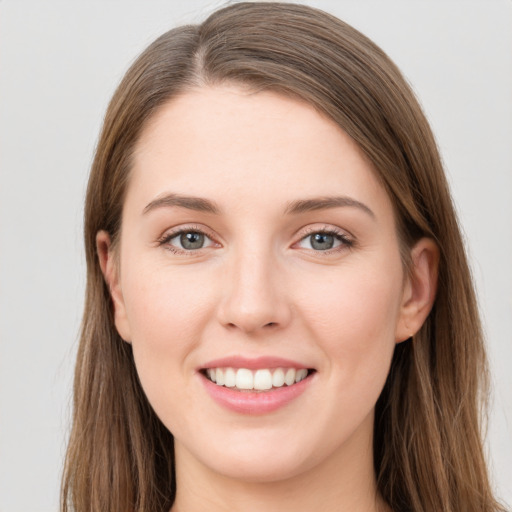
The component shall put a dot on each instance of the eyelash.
(164, 241)
(346, 242)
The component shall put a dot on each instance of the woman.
(279, 311)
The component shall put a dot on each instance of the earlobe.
(419, 289)
(110, 269)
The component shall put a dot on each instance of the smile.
(255, 386)
(263, 379)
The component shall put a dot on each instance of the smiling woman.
(240, 292)
(279, 312)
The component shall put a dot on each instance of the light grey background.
(60, 63)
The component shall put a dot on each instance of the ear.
(419, 289)
(109, 264)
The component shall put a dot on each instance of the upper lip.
(253, 363)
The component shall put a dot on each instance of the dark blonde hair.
(427, 438)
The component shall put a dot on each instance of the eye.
(324, 241)
(191, 240)
(186, 240)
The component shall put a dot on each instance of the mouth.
(256, 385)
(258, 380)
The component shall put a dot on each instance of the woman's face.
(257, 245)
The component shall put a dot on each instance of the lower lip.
(251, 402)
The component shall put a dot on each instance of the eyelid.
(347, 240)
(172, 233)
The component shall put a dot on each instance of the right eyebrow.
(190, 202)
(321, 203)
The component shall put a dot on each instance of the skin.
(259, 288)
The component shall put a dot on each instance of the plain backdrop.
(59, 65)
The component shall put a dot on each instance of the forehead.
(229, 142)
(248, 119)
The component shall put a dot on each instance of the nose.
(254, 295)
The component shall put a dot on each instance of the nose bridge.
(254, 297)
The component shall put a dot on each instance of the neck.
(343, 482)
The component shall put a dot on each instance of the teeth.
(219, 376)
(262, 380)
(244, 379)
(289, 377)
(301, 374)
(259, 380)
(278, 378)
(229, 378)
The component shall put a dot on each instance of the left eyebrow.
(321, 203)
(189, 202)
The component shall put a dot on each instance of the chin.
(260, 468)
(266, 455)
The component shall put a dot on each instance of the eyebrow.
(295, 207)
(322, 203)
(191, 203)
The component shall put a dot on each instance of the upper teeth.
(262, 379)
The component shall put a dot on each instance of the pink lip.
(253, 363)
(254, 402)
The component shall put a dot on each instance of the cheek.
(353, 316)
(354, 326)
(166, 309)
(164, 304)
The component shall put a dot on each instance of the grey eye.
(191, 240)
(322, 241)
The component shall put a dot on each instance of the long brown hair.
(427, 442)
